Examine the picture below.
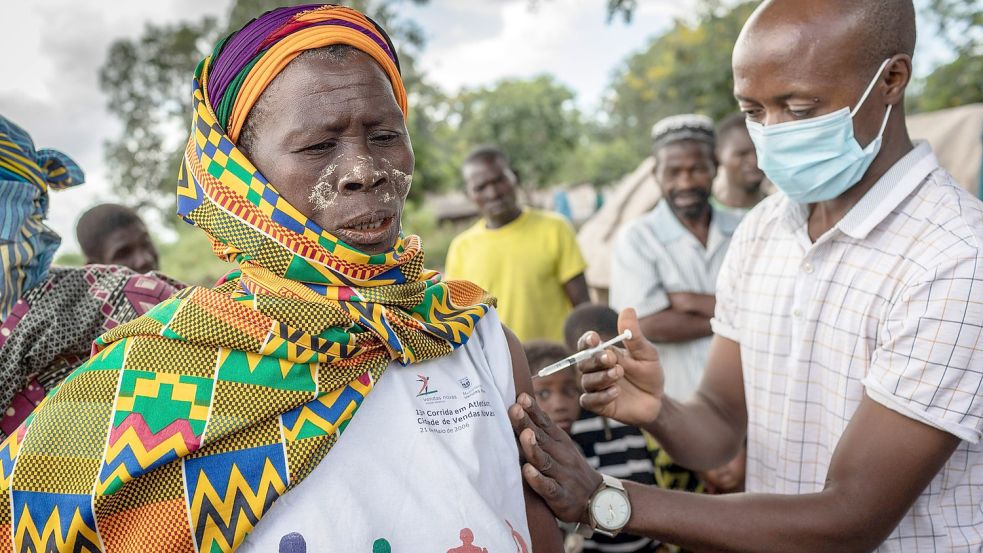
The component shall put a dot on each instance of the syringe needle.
(582, 355)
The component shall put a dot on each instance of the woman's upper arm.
(543, 530)
(520, 365)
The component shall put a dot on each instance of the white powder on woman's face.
(324, 194)
(403, 181)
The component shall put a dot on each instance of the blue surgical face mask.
(817, 159)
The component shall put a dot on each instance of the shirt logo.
(425, 386)
(464, 382)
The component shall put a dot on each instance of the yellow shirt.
(525, 265)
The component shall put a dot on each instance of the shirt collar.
(668, 228)
(724, 220)
(889, 191)
(886, 194)
(482, 223)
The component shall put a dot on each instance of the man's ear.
(897, 76)
(515, 174)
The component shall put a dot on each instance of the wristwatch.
(608, 509)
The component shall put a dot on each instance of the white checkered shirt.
(889, 303)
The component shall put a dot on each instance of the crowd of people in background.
(664, 266)
(323, 277)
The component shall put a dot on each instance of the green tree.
(147, 83)
(959, 23)
(954, 84)
(959, 82)
(685, 69)
(432, 137)
(534, 120)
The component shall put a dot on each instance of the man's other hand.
(554, 467)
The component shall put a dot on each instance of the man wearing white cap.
(665, 263)
(665, 266)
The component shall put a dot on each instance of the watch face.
(610, 509)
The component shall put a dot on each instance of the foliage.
(190, 258)
(602, 157)
(953, 84)
(534, 120)
(624, 8)
(146, 82)
(959, 82)
(959, 22)
(70, 259)
(432, 137)
(436, 237)
(684, 69)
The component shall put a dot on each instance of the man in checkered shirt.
(848, 343)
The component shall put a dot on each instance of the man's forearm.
(705, 304)
(693, 303)
(576, 290)
(671, 325)
(753, 522)
(696, 434)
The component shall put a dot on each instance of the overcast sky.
(50, 86)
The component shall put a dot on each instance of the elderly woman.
(49, 316)
(333, 395)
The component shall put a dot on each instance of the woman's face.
(330, 137)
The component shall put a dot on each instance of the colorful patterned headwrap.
(188, 423)
(245, 64)
(27, 245)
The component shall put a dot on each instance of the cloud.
(488, 41)
(56, 96)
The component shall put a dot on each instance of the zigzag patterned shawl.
(188, 423)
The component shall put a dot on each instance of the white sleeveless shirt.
(428, 463)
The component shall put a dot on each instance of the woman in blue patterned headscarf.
(49, 316)
(27, 245)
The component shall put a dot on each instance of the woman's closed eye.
(318, 147)
(384, 137)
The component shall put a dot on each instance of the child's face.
(559, 396)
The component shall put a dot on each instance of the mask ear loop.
(870, 87)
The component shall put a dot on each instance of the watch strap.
(585, 530)
(611, 482)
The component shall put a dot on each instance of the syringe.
(582, 355)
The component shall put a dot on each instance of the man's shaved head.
(873, 30)
(891, 27)
(796, 60)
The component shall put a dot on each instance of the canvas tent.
(955, 134)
